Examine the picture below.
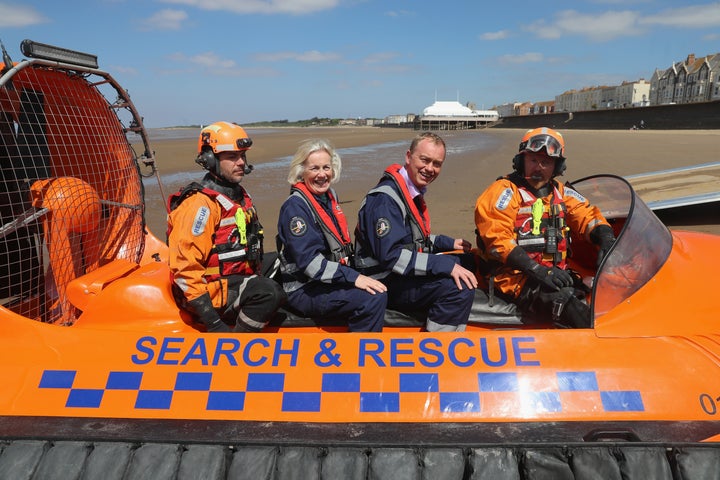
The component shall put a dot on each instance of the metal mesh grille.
(71, 192)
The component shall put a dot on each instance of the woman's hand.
(370, 285)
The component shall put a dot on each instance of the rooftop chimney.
(690, 59)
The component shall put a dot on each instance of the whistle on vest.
(537, 214)
(241, 221)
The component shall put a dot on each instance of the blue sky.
(198, 61)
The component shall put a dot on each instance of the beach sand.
(451, 198)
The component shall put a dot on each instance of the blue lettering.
(371, 348)
(246, 353)
(451, 352)
(518, 352)
(502, 348)
(293, 352)
(232, 345)
(197, 351)
(166, 349)
(396, 351)
(425, 348)
(141, 348)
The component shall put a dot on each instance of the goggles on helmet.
(243, 143)
(550, 143)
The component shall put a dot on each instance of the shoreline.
(465, 174)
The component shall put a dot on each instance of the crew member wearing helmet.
(216, 240)
(524, 221)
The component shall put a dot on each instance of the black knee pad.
(575, 314)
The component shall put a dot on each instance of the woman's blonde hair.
(307, 148)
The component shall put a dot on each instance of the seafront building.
(693, 80)
(627, 94)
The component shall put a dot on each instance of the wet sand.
(451, 198)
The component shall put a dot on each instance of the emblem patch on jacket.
(572, 193)
(201, 219)
(298, 226)
(504, 199)
(382, 227)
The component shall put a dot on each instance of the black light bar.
(48, 52)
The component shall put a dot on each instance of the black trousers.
(252, 302)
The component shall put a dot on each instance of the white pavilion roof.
(447, 109)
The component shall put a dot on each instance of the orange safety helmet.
(220, 137)
(543, 138)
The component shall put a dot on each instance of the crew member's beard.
(219, 184)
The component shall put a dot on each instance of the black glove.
(553, 278)
(203, 309)
(604, 238)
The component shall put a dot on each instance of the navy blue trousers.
(438, 296)
(363, 311)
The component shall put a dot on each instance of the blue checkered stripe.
(389, 402)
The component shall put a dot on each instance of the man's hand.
(462, 275)
(553, 278)
(462, 244)
(370, 285)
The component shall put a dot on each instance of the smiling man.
(394, 243)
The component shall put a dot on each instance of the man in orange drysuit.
(523, 224)
(216, 240)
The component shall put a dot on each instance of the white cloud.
(599, 27)
(393, 69)
(17, 16)
(165, 20)
(373, 83)
(615, 24)
(695, 16)
(124, 70)
(500, 35)
(399, 13)
(294, 7)
(380, 57)
(311, 56)
(212, 63)
(209, 60)
(523, 58)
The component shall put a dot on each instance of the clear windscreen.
(642, 246)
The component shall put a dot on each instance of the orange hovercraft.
(103, 373)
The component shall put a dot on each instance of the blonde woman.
(316, 250)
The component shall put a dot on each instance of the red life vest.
(548, 242)
(420, 219)
(229, 254)
(338, 240)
